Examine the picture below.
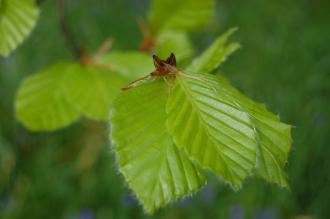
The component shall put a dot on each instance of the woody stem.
(66, 31)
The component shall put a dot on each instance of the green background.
(284, 62)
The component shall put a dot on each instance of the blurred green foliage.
(284, 62)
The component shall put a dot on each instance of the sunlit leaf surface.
(41, 104)
(91, 89)
(212, 127)
(155, 169)
(274, 137)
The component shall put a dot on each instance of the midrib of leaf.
(192, 99)
(252, 120)
(187, 92)
(230, 173)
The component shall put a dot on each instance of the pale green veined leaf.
(274, 137)
(180, 15)
(216, 54)
(176, 42)
(132, 65)
(17, 19)
(91, 89)
(212, 128)
(155, 169)
(40, 102)
(87, 89)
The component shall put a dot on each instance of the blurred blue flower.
(236, 212)
(128, 200)
(208, 194)
(86, 214)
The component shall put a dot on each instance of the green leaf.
(40, 102)
(179, 15)
(215, 55)
(92, 89)
(212, 128)
(155, 169)
(176, 42)
(274, 137)
(131, 65)
(58, 95)
(17, 19)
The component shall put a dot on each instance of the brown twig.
(148, 41)
(105, 46)
(81, 52)
(65, 29)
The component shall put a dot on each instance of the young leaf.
(40, 102)
(17, 19)
(179, 15)
(131, 65)
(174, 42)
(155, 169)
(216, 54)
(91, 89)
(68, 90)
(274, 137)
(212, 128)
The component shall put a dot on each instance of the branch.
(148, 41)
(65, 30)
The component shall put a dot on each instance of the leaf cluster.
(60, 94)
(167, 135)
(63, 92)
